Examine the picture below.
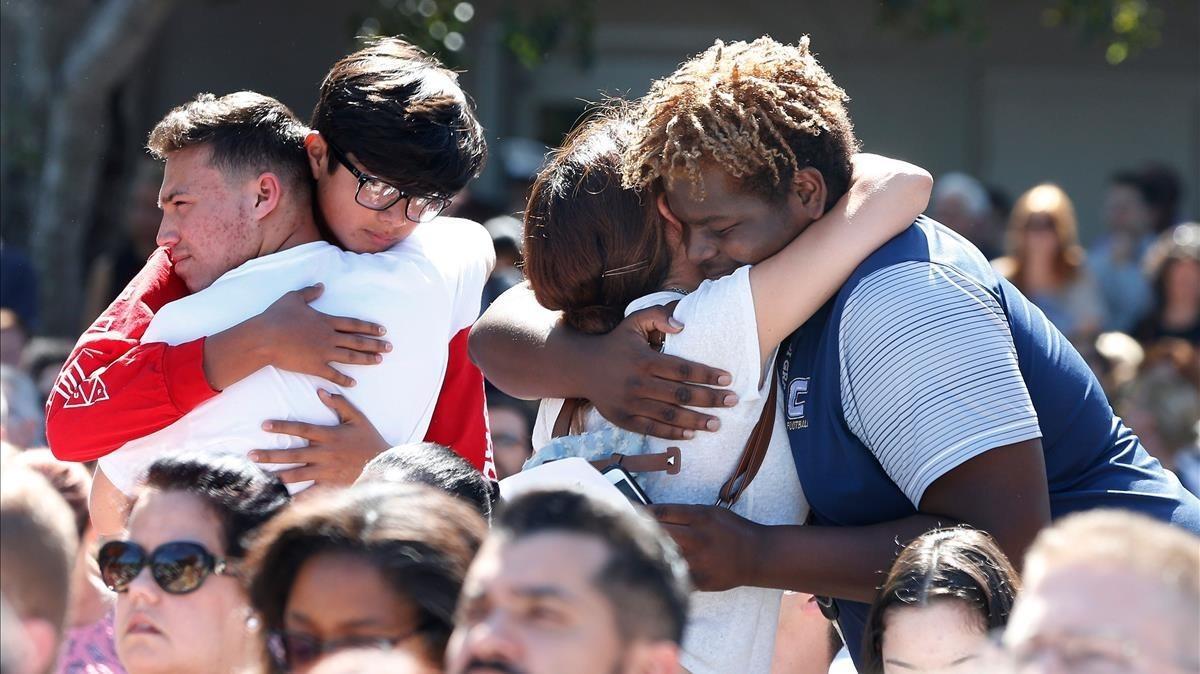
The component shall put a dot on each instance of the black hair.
(434, 465)
(956, 564)
(245, 131)
(239, 493)
(421, 541)
(403, 116)
(644, 577)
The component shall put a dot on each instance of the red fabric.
(113, 388)
(460, 416)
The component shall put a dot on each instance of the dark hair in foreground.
(246, 132)
(239, 493)
(645, 577)
(956, 564)
(591, 245)
(431, 464)
(420, 539)
(402, 115)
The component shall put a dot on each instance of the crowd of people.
(797, 425)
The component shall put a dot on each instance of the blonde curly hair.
(761, 110)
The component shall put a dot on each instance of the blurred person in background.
(1115, 260)
(372, 566)
(963, 204)
(20, 408)
(1047, 264)
(114, 268)
(37, 550)
(1162, 188)
(1162, 403)
(1108, 591)
(13, 337)
(1173, 266)
(181, 607)
(43, 359)
(18, 284)
(511, 424)
(434, 466)
(508, 241)
(945, 593)
(88, 644)
(565, 583)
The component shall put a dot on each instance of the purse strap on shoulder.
(755, 450)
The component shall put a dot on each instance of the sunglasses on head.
(178, 567)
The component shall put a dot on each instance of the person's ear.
(318, 154)
(267, 192)
(673, 225)
(808, 190)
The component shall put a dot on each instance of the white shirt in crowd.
(423, 291)
(731, 631)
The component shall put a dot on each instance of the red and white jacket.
(114, 389)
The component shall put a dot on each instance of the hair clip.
(636, 266)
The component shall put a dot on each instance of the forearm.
(843, 562)
(234, 354)
(524, 349)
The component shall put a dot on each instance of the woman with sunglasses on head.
(370, 567)
(946, 591)
(180, 606)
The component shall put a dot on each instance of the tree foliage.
(1120, 28)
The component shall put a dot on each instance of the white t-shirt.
(423, 291)
(731, 631)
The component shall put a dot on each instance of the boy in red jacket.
(406, 140)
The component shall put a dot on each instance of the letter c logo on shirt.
(797, 392)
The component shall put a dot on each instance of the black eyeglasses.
(378, 195)
(179, 567)
(291, 650)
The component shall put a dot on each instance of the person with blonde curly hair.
(927, 392)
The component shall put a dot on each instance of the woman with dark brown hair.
(946, 591)
(1046, 262)
(596, 250)
(374, 566)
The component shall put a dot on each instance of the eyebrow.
(542, 592)
(174, 193)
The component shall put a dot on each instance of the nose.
(142, 590)
(491, 639)
(700, 247)
(168, 233)
(394, 217)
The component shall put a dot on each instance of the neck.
(289, 227)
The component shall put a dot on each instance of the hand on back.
(639, 389)
(302, 339)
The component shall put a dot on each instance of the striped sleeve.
(929, 373)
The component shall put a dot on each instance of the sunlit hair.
(761, 110)
(1046, 201)
(959, 564)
